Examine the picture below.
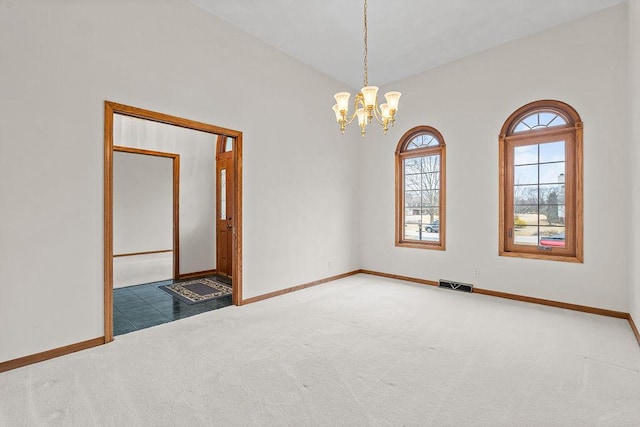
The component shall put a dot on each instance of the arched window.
(420, 189)
(541, 183)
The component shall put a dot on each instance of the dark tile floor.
(142, 306)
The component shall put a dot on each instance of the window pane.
(422, 182)
(525, 195)
(412, 199)
(430, 230)
(228, 144)
(551, 173)
(532, 223)
(526, 235)
(539, 120)
(540, 236)
(411, 166)
(548, 119)
(422, 200)
(422, 224)
(413, 182)
(422, 141)
(428, 164)
(525, 216)
(223, 194)
(422, 173)
(525, 175)
(531, 121)
(552, 236)
(431, 200)
(552, 194)
(525, 155)
(552, 152)
(422, 164)
(411, 230)
(431, 181)
(552, 215)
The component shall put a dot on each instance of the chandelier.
(365, 104)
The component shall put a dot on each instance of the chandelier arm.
(382, 121)
(350, 119)
(358, 101)
(377, 114)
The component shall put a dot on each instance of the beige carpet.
(359, 351)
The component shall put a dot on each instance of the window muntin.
(420, 189)
(541, 183)
(423, 140)
(539, 120)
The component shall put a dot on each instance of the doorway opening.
(146, 191)
(232, 258)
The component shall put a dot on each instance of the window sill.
(563, 258)
(420, 245)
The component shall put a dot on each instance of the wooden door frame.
(220, 147)
(111, 108)
(176, 198)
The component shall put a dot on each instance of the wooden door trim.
(175, 203)
(236, 222)
(227, 156)
(111, 108)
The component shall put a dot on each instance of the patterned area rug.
(196, 291)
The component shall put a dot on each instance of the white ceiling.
(406, 37)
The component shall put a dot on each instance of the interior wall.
(197, 200)
(634, 109)
(142, 218)
(583, 63)
(139, 269)
(61, 60)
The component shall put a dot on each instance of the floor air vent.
(456, 286)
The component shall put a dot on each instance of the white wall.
(197, 204)
(139, 269)
(142, 218)
(142, 203)
(583, 63)
(60, 60)
(634, 108)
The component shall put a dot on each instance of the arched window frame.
(402, 153)
(570, 132)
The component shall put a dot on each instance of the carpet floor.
(355, 352)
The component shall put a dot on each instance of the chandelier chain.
(366, 51)
(366, 103)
